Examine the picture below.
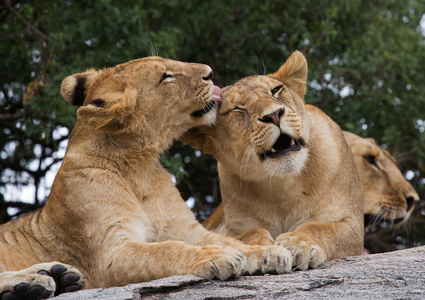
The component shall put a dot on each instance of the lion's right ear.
(199, 138)
(294, 73)
(74, 87)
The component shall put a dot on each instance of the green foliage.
(365, 58)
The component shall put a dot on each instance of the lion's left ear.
(111, 113)
(74, 87)
(294, 73)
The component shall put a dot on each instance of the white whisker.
(152, 49)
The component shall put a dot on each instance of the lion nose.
(208, 77)
(411, 202)
(274, 117)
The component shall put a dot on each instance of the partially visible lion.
(113, 212)
(286, 173)
(387, 194)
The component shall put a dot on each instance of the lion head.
(261, 124)
(116, 100)
(388, 195)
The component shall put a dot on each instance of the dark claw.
(57, 270)
(21, 288)
(70, 278)
(36, 291)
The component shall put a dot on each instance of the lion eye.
(236, 108)
(165, 76)
(276, 90)
(371, 159)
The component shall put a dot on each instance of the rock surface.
(392, 275)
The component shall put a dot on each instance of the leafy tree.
(365, 60)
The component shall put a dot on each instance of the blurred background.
(366, 70)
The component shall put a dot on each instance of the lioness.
(114, 212)
(387, 194)
(285, 169)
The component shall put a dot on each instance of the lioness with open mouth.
(286, 173)
(114, 213)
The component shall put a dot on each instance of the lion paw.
(67, 278)
(267, 259)
(40, 281)
(219, 262)
(31, 286)
(305, 253)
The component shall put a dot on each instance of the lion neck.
(122, 148)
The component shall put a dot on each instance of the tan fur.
(310, 200)
(387, 194)
(114, 212)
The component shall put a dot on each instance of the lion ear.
(372, 141)
(111, 113)
(294, 73)
(74, 87)
(199, 138)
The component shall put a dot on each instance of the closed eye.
(165, 76)
(276, 90)
(235, 109)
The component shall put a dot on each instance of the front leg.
(313, 243)
(132, 262)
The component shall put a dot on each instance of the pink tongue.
(216, 95)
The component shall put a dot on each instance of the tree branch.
(31, 28)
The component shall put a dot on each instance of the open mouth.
(207, 108)
(284, 144)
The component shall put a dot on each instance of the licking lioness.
(286, 173)
(114, 212)
(387, 194)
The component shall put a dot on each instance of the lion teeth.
(273, 150)
(292, 142)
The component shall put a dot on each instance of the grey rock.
(393, 275)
